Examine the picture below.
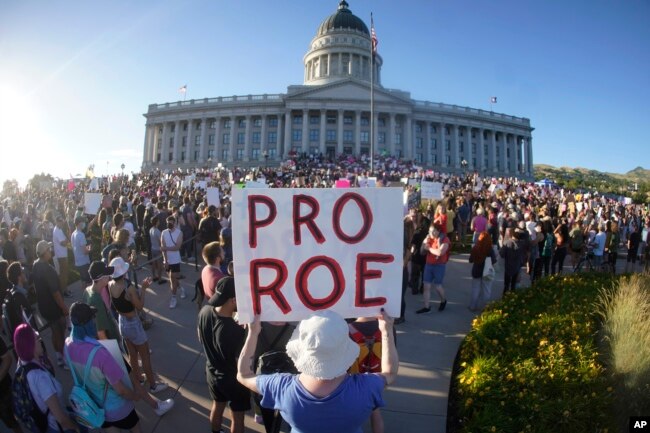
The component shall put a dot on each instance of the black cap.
(81, 313)
(99, 269)
(224, 291)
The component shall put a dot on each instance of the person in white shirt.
(599, 245)
(81, 250)
(60, 241)
(171, 240)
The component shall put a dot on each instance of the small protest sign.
(213, 196)
(342, 183)
(92, 202)
(431, 190)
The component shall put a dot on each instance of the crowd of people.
(162, 219)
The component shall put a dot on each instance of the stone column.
(391, 134)
(468, 151)
(305, 129)
(177, 142)
(146, 151)
(188, 143)
(247, 139)
(529, 156)
(263, 135)
(442, 149)
(155, 148)
(233, 138)
(375, 133)
(164, 153)
(287, 134)
(480, 151)
(323, 128)
(427, 143)
(357, 133)
(204, 140)
(218, 145)
(455, 147)
(492, 152)
(504, 152)
(339, 137)
(408, 137)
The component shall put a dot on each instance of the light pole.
(266, 159)
(463, 163)
(122, 167)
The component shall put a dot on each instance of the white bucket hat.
(121, 267)
(321, 346)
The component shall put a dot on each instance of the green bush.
(531, 362)
(626, 345)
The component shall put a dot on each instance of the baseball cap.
(81, 313)
(99, 269)
(224, 291)
(42, 247)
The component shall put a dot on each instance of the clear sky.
(76, 76)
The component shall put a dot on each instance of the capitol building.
(330, 114)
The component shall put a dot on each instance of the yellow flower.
(493, 428)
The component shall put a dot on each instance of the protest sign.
(414, 181)
(202, 184)
(94, 185)
(297, 251)
(213, 197)
(342, 183)
(114, 349)
(431, 190)
(92, 202)
(256, 184)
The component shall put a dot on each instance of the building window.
(272, 152)
(296, 134)
(418, 143)
(241, 138)
(273, 122)
(185, 126)
(171, 141)
(173, 127)
(434, 143)
(418, 157)
(183, 156)
(184, 141)
(196, 155)
(347, 120)
(497, 149)
(242, 123)
(240, 154)
(398, 138)
(418, 128)
(256, 137)
(257, 122)
(474, 148)
(381, 121)
(381, 137)
(460, 132)
(461, 146)
(313, 120)
(331, 119)
(160, 130)
(365, 137)
(434, 159)
(347, 150)
(314, 135)
(331, 135)
(448, 145)
(433, 129)
(225, 154)
(473, 134)
(297, 120)
(171, 156)
(347, 136)
(485, 150)
(448, 160)
(211, 139)
(255, 153)
(473, 162)
(210, 153)
(227, 123)
(314, 150)
(446, 130)
(273, 137)
(226, 138)
(197, 140)
(365, 121)
(296, 149)
(213, 124)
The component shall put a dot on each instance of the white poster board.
(203, 184)
(297, 251)
(431, 190)
(92, 202)
(213, 197)
(94, 184)
(256, 184)
(114, 349)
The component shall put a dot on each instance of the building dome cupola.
(341, 50)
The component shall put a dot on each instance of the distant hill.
(574, 178)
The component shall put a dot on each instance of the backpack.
(369, 360)
(25, 408)
(275, 361)
(86, 411)
(12, 314)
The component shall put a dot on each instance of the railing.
(469, 110)
(219, 100)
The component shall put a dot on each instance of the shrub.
(530, 362)
(626, 344)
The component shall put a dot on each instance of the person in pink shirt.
(478, 224)
(213, 255)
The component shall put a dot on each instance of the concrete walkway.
(417, 402)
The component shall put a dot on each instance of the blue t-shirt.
(343, 411)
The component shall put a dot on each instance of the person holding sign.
(322, 351)
(437, 248)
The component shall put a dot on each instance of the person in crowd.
(7, 247)
(171, 240)
(18, 308)
(464, 214)
(513, 259)
(6, 401)
(81, 249)
(107, 382)
(225, 238)
(416, 258)
(127, 301)
(222, 340)
(600, 241)
(322, 352)
(611, 248)
(576, 242)
(49, 296)
(561, 234)
(189, 228)
(95, 234)
(61, 242)
(45, 389)
(157, 268)
(548, 245)
(478, 256)
(478, 224)
(213, 256)
(437, 248)
(209, 226)
(633, 241)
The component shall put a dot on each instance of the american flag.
(493, 100)
(183, 88)
(373, 36)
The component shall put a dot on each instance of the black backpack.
(274, 360)
(24, 406)
(12, 313)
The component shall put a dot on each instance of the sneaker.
(399, 321)
(172, 302)
(162, 281)
(442, 306)
(183, 294)
(164, 406)
(259, 419)
(423, 311)
(67, 294)
(159, 386)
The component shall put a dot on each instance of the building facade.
(330, 114)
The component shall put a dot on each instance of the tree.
(9, 187)
(41, 181)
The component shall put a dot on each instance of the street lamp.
(122, 167)
(266, 159)
(463, 163)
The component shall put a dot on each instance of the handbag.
(488, 269)
(86, 411)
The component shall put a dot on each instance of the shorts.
(434, 273)
(132, 330)
(6, 409)
(126, 423)
(229, 390)
(174, 269)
